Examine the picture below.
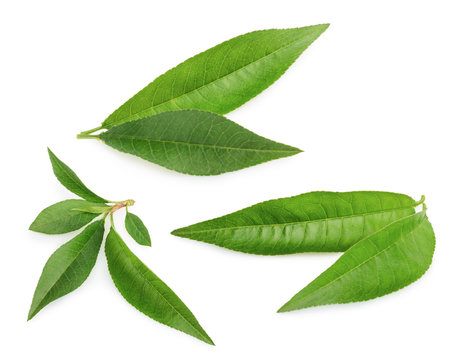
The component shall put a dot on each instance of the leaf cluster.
(70, 265)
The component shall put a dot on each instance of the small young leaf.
(194, 142)
(146, 292)
(137, 229)
(315, 221)
(62, 217)
(71, 181)
(68, 267)
(94, 209)
(383, 262)
(223, 77)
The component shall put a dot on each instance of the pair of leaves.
(387, 244)
(70, 265)
(161, 123)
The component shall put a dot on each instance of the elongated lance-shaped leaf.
(71, 181)
(146, 292)
(194, 142)
(63, 217)
(315, 221)
(383, 262)
(223, 77)
(137, 229)
(68, 267)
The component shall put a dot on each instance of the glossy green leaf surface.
(62, 217)
(137, 229)
(383, 262)
(315, 221)
(194, 142)
(146, 292)
(68, 267)
(71, 181)
(223, 77)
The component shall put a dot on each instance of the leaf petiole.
(87, 136)
(86, 132)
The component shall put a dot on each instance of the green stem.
(421, 201)
(87, 136)
(112, 220)
(86, 132)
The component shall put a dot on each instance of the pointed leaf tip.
(68, 178)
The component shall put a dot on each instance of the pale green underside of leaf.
(383, 262)
(194, 142)
(315, 221)
(146, 292)
(61, 217)
(137, 229)
(223, 77)
(68, 267)
(71, 181)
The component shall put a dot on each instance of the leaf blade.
(137, 229)
(68, 267)
(61, 217)
(71, 181)
(388, 260)
(150, 294)
(315, 221)
(222, 78)
(194, 142)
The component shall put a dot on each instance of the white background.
(371, 102)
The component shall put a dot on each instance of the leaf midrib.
(213, 81)
(130, 137)
(294, 223)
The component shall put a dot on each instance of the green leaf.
(223, 77)
(68, 267)
(94, 209)
(315, 221)
(383, 262)
(71, 181)
(194, 142)
(137, 229)
(62, 217)
(146, 292)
